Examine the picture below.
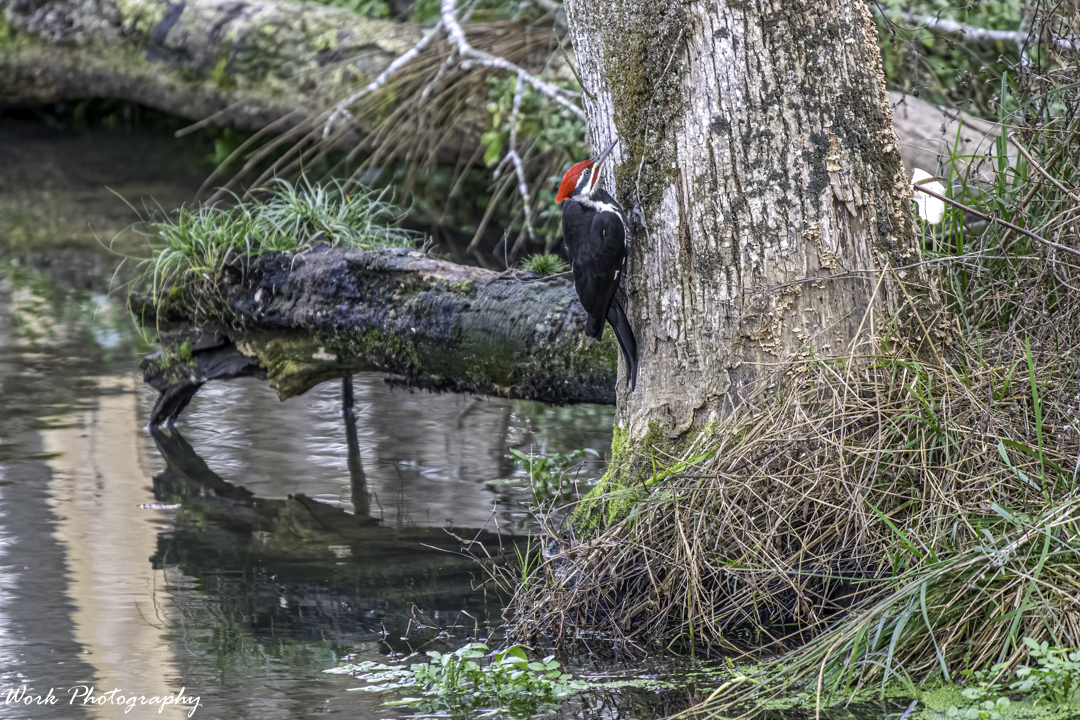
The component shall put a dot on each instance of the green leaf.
(493, 151)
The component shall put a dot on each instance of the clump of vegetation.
(471, 678)
(180, 357)
(546, 264)
(196, 245)
(1053, 683)
(551, 477)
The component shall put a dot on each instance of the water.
(243, 606)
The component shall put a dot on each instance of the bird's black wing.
(596, 269)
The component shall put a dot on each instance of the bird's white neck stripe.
(600, 206)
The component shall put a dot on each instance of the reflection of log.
(361, 500)
(301, 557)
(430, 324)
(296, 525)
(177, 381)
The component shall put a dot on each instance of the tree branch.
(342, 107)
(471, 55)
(977, 34)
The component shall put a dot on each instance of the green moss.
(140, 16)
(633, 468)
(180, 358)
(644, 97)
(496, 367)
(220, 77)
(383, 348)
(466, 288)
(637, 467)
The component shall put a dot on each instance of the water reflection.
(267, 573)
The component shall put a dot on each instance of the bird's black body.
(594, 232)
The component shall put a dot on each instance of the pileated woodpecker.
(594, 231)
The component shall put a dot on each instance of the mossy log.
(246, 64)
(249, 64)
(301, 319)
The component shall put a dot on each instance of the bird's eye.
(587, 172)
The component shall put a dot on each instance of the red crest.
(570, 180)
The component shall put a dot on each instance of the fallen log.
(249, 64)
(246, 63)
(300, 319)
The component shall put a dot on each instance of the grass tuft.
(196, 245)
(546, 264)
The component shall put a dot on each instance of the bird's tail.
(625, 335)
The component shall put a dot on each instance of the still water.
(245, 594)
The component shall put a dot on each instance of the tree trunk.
(299, 320)
(772, 214)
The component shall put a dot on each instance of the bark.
(757, 149)
(302, 319)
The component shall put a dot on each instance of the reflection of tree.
(361, 499)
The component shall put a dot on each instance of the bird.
(595, 232)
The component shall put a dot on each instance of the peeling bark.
(302, 319)
(757, 149)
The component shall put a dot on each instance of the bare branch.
(471, 56)
(973, 32)
(970, 32)
(512, 154)
(342, 108)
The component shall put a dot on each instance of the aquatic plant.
(550, 476)
(471, 678)
(1052, 683)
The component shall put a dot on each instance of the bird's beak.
(600, 158)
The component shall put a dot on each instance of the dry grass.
(871, 469)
